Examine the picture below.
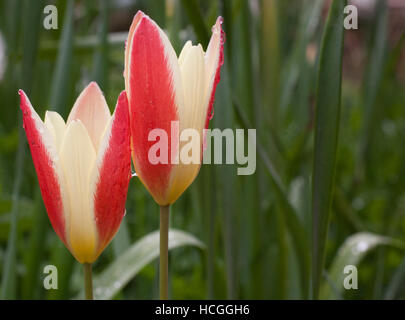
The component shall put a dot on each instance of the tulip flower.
(163, 89)
(83, 168)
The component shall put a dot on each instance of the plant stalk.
(164, 248)
(88, 281)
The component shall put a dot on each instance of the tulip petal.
(155, 95)
(184, 52)
(214, 59)
(92, 110)
(192, 116)
(111, 174)
(49, 172)
(200, 77)
(192, 67)
(128, 43)
(77, 156)
(56, 125)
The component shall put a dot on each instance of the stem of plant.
(88, 281)
(164, 248)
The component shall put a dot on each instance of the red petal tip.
(122, 96)
(139, 13)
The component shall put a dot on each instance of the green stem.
(164, 248)
(88, 282)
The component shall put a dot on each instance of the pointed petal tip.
(122, 105)
(139, 14)
(93, 85)
(146, 22)
(22, 94)
(92, 109)
(135, 22)
(25, 103)
(123, 96)
(215, 56)
(122, 110)
(219, 21)
(217, 27)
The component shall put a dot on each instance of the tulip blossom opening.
(162, 88)
(83, 168)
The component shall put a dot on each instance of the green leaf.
(32, 12)
(372, 81)
(296, 63)
(351, 252)
(396, 283)
(197, 21)
(126, 267)
(225, 176)
(295, 226)
(100, 71)
(326, 135)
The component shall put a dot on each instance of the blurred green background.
(258, 231)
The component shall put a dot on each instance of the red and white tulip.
(163, 88)
(83, 168)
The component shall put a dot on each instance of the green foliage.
(129, 263)
(327, 120)
(351, 253)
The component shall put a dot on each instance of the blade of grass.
(270, 62)
(100, 74)
(328, 96)
(173, 23)
(36, 249)
(211, 205)
(9, 277)
(63, 260)
(372, 82)
(224, 194)
(225, 176)
(352, 252)
(295, 226)
(206, 201)
(121, 240)
(307, 27)
(157, 11)
(32, 11)
(35, 254)
(61, 74)
(82, 45)
(227, 14)
(266, 120)
(245, 29)
(11, 33)
(12, 13)
(116, 276)
(196, 19)
(296, 229)
(396, 283)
